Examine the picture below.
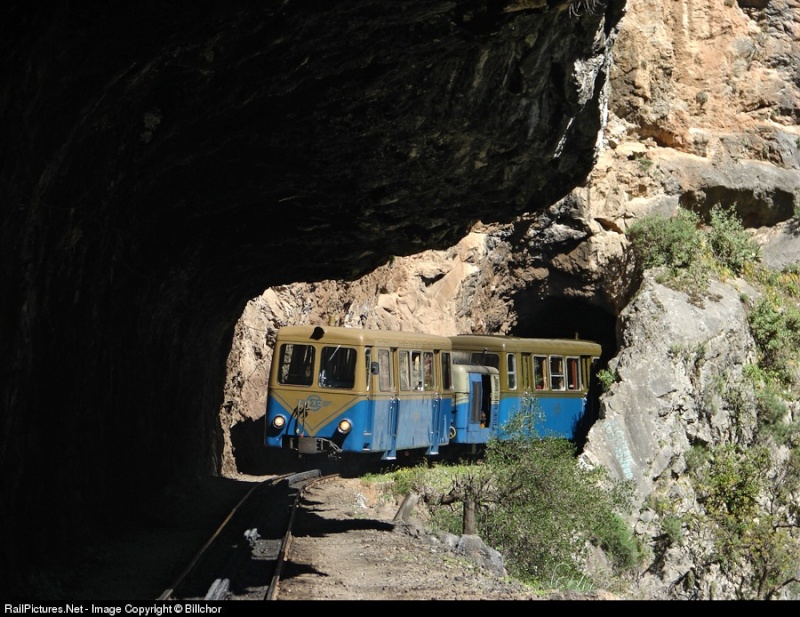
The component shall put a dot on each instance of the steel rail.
(167, 593)
(274, 587)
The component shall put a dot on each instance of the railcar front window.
(338, 367)
(462, 357)
(486, 359)
(295, 364)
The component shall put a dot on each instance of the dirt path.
(349, 548)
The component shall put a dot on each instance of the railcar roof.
(361, 336)
(497, 343)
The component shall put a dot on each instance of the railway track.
(243, 559)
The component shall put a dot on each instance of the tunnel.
(563, 317)
(164, 164)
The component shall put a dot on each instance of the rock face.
(165, 164)
(702, 110)
(464, 165)
(679, 376)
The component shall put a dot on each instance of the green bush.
(531, 499)
(672, 526)
(617, 540)
(775, 326)
(738, 489)
(606, 378)
(690, 254)
(677, 245)
(730, 244)
(696, 457)
(673, 242)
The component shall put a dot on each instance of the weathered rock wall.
(679, 383)
(703, 108)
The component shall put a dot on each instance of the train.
(356, 392)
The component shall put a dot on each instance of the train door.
(401, 363)
(433, 380)
(478, 416)
(482, 405)
(387, 412)
(381, 397)
(444, 399)
(526, 380)
(418, 424)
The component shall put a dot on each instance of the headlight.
(345, 426)
(279, 421)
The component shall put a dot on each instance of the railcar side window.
(338, 367)
(405, 371)
(511, 367)
(295, 364)
(428, 378)
(573, 374)
(556, 373)
(416, 370)
(539, 363)
(486, 359)
(385, 376)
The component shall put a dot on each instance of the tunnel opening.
(557, 317)
(572, 318)
(568, 318)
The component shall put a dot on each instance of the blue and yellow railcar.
(349, 390)
(548, 379)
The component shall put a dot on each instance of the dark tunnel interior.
(568, 318)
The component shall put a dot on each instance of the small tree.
(542, 523)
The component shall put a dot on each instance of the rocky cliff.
(702, 110)
(165, 165)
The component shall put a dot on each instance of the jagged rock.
(462, 166)
(674, 138)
